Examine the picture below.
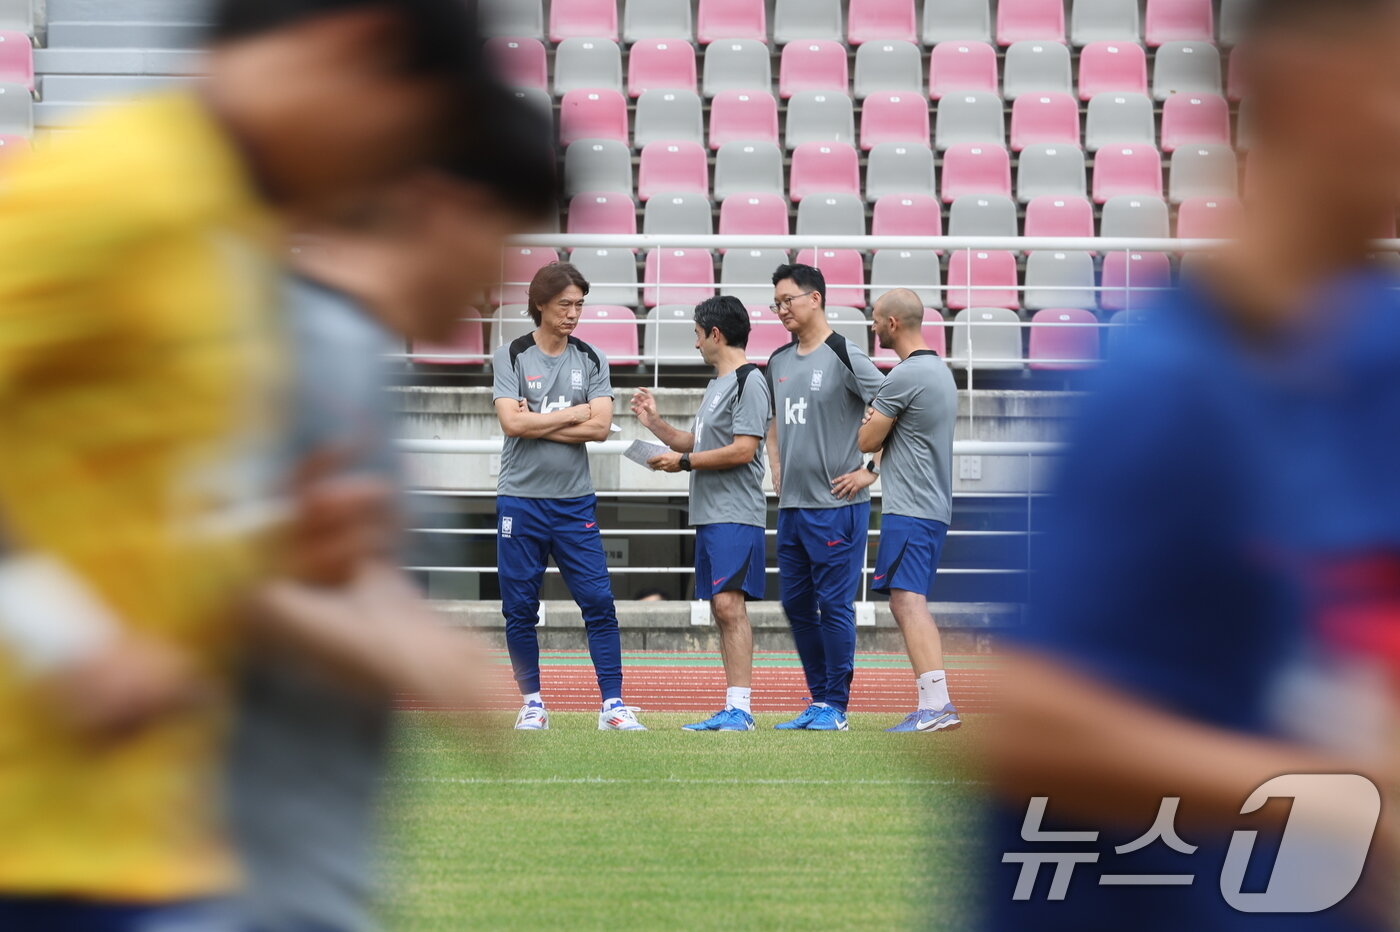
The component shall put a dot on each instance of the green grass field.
(577, 829)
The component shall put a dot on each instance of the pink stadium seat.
(600, 114)
(1064, 338)
(935, 335)
(1234, 82)
(582, 19)
(845, 274)
(907, 215)
(596, 212)
(880, 19)
(16, 59)
(693, 271)
(743, 116)
(611, 329)
(754, 215)
(975, 169)
(813, 65)
(1127, 276)
(1058, 215)
(766, 334)
(1127, 170)
(982, 279)
(1179, 21)
(660, 65)
(731, 19)
(519, 264)
(1048, 118)
(673, 168)
(468, 340)
(1018, 20)
(962, 67)
(1120, 67)
(890, 117)
(1195, 119)
(518, 62)
(824, 168)
(1206, 218)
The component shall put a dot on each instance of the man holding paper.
(728, 508)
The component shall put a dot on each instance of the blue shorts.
(909, 552)
(729, 557)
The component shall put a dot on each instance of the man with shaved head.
(911, 420)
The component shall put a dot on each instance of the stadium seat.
(1036, 68)
(1186, 68)
(668, 336)
(519, 264)
(612, 331)
(899, 169)
(596, 114)
(1179, 21)
(1234, 83)
(824, 168)
(514, 18)
(907, 215)
(595, 212)
(691, 270)
(1195, 120)
(844, 270)
(1059, 216)
(888, 66)
(737, 65)
(766, 331)
(672, 168)
(1204, 171)
(962, 67)
(747, 274)
(957, 21)
(850, 323)
(465, 347)
(668, 116)
(794, 20)
(1130, 277)
(510, 322)
(820, 116)
(1127, 170)
(1019, 20)
(985, 338)
(831, 214)
(16, 60)
(538, 98)
(587, 64)
(935, 335)
(901, 118)
(679, 214)
(748, 168)
(731, 19)
(970, 118)
(819, 66)
(1231, 25)
(644, 20)
(611, 273)
(915, 269)
(1207, 218)
(582, 19)
(743, 116)
(876, 20)
(754, 215)
(519, 62)
(1105, 21)
(1059, 279)
(1044, 118)
(969, 169)
(598, 165)
(1119, 119)
(982, 279)
(1112, 68)
(1051, 169)
(1133, 216)
(1063, 339)
(660, 65)
(983, 215)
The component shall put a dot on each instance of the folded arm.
(592, 429)
(517, 421)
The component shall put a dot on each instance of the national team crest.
(816, 380)
(576, 379)
(507, 525)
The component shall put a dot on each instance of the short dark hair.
(552, 280)
(806, 277)
(726, 314)
(514, 153)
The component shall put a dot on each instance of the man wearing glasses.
(821, 384)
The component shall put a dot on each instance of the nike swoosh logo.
(591, 524)
(925, 726)
(716, 582)
(833, 543)
(881, 576)
(784, 378)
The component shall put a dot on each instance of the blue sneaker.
(829, 719)
(945, 719)
(803, 719)
(724, 720)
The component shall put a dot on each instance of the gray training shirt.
(916, 473)
(819, 401)
(731, 496)
(540, 468)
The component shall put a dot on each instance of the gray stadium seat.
(1119, 119)
(669, 116)
(1231, 26)
(1036, 68)
(977, 119)
(678, 213)
(657, 19)
(806, 19)
(850, 323)
(748, 168)
(1059, 279)
(835, 214)
(17, 15)
(1106, 21)
(669, 331)
(602, 165)
(1131, 215)
(615, 269)
(16, 110)
(510, 322)
(1203, 171)
(897, 168)
(986, 338)
(515, 18)
(587, 64)
(1047, 168)
(737, 65)
(1186, 68)
(916, 269)
(957, 20)
(983, 215)
(888, 65)
(747, 274)
(819, 116)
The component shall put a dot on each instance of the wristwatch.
(685, 462)
(874, 469)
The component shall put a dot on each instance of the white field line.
(686, 781)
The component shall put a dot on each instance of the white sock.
(933, 690)
(738, 697)
(821, 705)
(609, 703)
(533, 697)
